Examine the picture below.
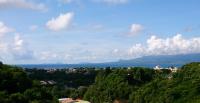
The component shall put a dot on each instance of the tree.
(1, 64)
(17, 98)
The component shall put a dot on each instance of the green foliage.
(14, 80)
(117, 84)
(135, 85)
(17, 87)
(81, 77)
(182, 88)
(17, 98)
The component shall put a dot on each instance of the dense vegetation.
(118, 84)
(184, 87)
(125, 85)
(65, 77)
(17, 87)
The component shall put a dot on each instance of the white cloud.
(113, 2)
(168, 46)
(18, 42)
(19, 49)
(136, 29)
(16, 49)
(137, 50)
(4, 29)
(63, 21)
(22, 4)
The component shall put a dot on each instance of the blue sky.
(76, 31)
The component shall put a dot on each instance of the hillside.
(151, 61)
(124, 85)
(147, 86)
(162, 60)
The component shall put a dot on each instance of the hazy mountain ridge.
(146, 61)
(163, 60)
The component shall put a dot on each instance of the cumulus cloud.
(22, 4)
(113, 1)
(4, 29)
(63, 21)
(136, 29)
(19, 49)
(18, 42)
(16, 48)
(137, 50)
(168, 46)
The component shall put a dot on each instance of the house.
(129, 68)
(43, 83)
(70, 100)
(80, 101)
(71, 70)
(51, 70)
(157, 67)
(51, 82)
(65, 100)
(173, 69)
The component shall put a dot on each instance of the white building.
(173, 69)
(70, 100)
(157, 67)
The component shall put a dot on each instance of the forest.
(101, 85)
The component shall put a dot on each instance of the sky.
(80, 31)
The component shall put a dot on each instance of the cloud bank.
(168, 46)
(4, 29)
(22, 4)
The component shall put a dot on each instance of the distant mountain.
(162, 60)
(152, 61)
(146, 61)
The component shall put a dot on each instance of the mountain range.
(146, 61)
